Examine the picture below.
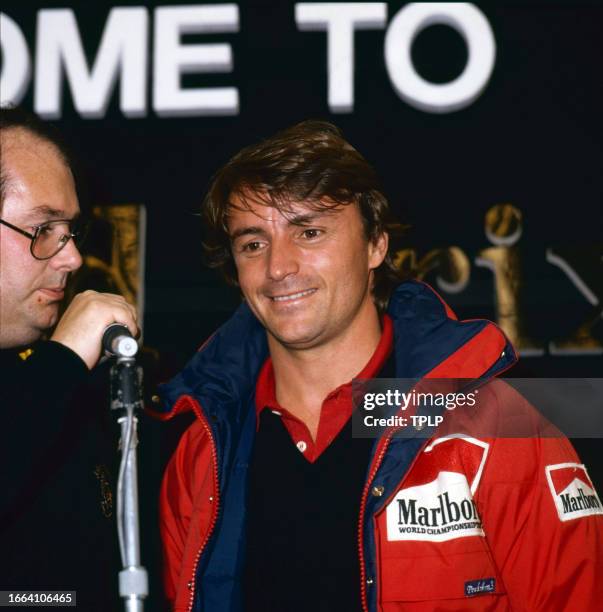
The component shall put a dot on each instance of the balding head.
(17, 125)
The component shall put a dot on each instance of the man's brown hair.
(308, 163)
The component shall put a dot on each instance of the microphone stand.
(126, 397)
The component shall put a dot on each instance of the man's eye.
(311, 233)
(45, 230)
(252, 246)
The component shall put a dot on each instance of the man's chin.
(297, 339)
(47, 318)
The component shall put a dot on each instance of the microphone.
(118, 341)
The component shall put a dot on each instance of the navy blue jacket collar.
(223, 373)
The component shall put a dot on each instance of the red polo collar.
(336, 408)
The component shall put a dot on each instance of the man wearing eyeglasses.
(55, 506)
(40, 218)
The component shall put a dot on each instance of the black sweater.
(58, 453)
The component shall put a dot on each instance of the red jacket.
(471, 522)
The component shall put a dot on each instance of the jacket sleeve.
(550, 560)
(35, 393)
(186, 505)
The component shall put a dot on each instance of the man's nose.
(282, 259)
(68, 259)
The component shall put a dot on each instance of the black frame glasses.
(78, 234)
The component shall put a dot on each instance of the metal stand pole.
(126, 397)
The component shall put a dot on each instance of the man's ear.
(377, 250)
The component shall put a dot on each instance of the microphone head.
(125, 346)
(117, 340)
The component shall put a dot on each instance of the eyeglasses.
(50, 237)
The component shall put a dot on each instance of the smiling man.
(307, 276)
(270, 503)
(54, 530)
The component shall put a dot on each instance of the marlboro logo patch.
(434, 512)
(573, 492)
(436, 504)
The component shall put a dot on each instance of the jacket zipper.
(372, 473)
(216, 496)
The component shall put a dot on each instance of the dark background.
(533, 139)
